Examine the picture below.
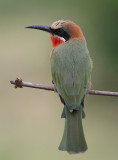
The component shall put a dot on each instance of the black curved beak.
(41, 27)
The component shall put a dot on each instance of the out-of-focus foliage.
(30, 123)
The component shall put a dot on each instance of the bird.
(71, 68)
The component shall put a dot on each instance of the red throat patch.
(56, 41)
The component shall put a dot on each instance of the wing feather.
(71, 71)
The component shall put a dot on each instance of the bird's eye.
(59, 31)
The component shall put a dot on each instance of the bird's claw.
(52, 82)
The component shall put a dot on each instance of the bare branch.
(20, 84)
(103, 93)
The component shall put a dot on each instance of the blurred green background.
(30, 123)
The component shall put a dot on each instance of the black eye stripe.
(60, 32)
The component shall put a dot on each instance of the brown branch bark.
(20, 84)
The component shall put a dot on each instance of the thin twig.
(19, 84)
(103, 93)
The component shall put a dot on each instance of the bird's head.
(61, 31)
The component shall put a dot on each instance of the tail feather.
(73, 140)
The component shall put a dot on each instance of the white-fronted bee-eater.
(71, 68)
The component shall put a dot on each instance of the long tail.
(73, 140)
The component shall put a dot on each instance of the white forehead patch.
(57, 24)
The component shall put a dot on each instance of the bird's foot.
(52, 82)
(55, 90)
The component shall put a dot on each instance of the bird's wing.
(71, 71)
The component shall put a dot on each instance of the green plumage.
(71, 72)
(73, 139)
